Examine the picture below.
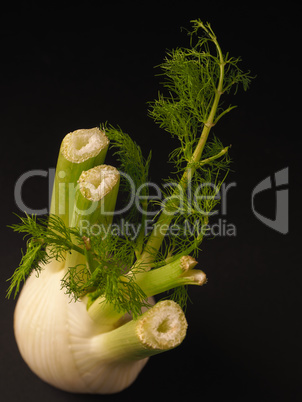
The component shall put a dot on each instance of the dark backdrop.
(64, 69)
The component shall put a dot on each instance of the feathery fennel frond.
(32, 260)
(134, 169)
(194, 81)
(130, 158)
(49, 231)
(47, 238)
(109, 258)
(191, 77)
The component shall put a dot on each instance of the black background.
(64, 69)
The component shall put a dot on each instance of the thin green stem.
(212, 158)
(162, 225)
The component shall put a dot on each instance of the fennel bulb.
(69, 350)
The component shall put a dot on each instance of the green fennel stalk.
(80, 151)
(116, 273)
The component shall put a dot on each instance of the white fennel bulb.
(69, 350)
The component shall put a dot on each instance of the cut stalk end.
(187, 262)
(80, 150)
(80, 145)
(96, 198)
(97, 182)
(163, 327)
(196, 277)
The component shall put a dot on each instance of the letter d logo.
(280, 223)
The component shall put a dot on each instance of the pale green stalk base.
(100, 311)
(177, 273)
(161, 328)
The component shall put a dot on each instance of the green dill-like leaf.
(78, 281)
(180, 296)
(190, 209)
(125, 295)
(194, 79)
(32, 260)
(134, 169)
(132, 162)
(47, 239)
(115, 255)
(110, 258)
(191, 77)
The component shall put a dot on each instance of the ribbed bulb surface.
(55, 336)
